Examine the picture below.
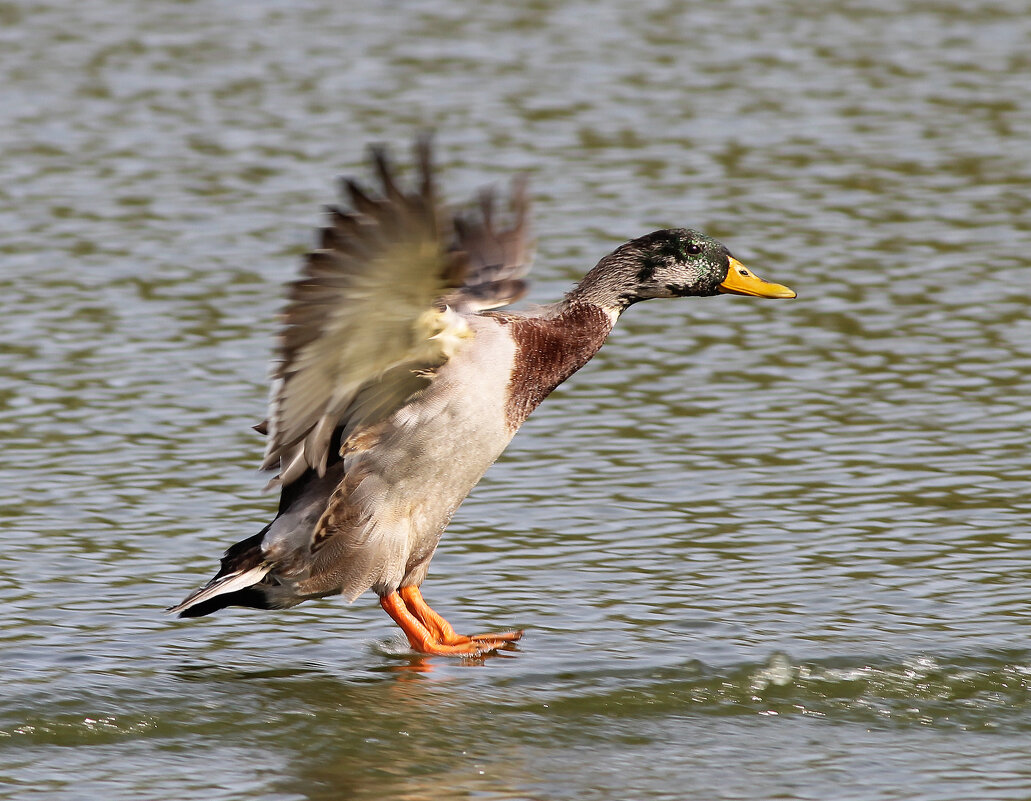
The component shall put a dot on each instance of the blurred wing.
(498, 259)
(368, 313)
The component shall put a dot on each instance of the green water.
(760, 549)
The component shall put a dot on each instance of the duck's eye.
(693, 248)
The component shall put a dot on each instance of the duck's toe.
(429, 633)
(503, 636)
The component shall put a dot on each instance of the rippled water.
(761, 549)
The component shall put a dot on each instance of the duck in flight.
(398, 382)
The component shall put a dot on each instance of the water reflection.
(409, 734)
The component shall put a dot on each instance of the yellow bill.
(742, 281)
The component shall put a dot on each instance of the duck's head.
(672, 263)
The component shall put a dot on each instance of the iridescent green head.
(672, 263)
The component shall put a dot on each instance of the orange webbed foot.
(429, 633)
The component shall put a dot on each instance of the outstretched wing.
(376, 309)
(498, 259)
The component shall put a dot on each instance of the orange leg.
(440, 628)
(420, 638)
(436, 640)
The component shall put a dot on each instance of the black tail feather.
(243, 555)
(240, 560)
(252, 597)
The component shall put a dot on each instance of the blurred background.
(761, 549)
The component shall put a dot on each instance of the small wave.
(976, 692)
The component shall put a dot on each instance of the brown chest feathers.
(548, 351)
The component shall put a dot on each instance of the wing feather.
(498, 259)
(377, 306)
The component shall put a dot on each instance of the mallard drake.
(398, 383)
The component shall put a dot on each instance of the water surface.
(760, 549)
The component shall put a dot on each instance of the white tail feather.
(228, 583)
